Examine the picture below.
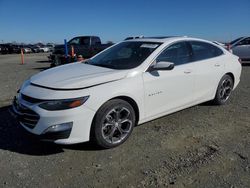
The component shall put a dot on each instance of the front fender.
(128, 87)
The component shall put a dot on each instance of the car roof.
(167, 39)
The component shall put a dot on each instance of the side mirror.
(162, 65)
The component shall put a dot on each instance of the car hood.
(76, 76)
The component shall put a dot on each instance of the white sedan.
(27, 50)
(44, 49)
(130, 83)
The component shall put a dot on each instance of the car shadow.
(208, 103)
(14, 138)
(86, 146)
(44, 61)
(41, 68)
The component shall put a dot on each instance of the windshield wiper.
(104, 65)
(86, 62)
(99, 65)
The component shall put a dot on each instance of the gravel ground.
(203, 146)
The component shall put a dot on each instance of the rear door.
(209, 65)
(96, 45)
(242, 48)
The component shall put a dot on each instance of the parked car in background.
(86, 46)
(130, 83)
(4, 49)
(134, 37)
(51, 46)
(44, 49)
(16, 49)
(241, 48)
(11, 48)
(35, 49)
(26, 49)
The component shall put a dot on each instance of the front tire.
(57, 61)
(224, 90)
(113, 123)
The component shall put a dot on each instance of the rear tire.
(224, 90)
(113, 123)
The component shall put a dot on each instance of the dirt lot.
(203, 146)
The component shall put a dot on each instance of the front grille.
(25, 116)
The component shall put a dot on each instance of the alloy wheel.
(225, 89)
(117, 125)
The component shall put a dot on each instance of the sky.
(45, 21)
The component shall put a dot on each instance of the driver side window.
(178, 53)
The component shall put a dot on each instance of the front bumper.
(37, 121)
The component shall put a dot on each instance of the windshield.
(80, 41)
(126, 55)
(236, 40)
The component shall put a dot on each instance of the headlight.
(63, 104)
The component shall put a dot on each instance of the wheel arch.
(227, 73)
(128, 99)
(132, 102)
(231, 75)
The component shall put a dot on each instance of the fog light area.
(59, 127)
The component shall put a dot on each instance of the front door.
(167, 90)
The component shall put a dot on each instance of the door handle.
(187, 71)
(217, 65)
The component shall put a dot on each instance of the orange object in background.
(22, 57)
(72, 51)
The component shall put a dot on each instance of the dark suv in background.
(86, 46)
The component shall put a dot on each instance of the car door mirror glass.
(162, 65)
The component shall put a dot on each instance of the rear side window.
(85, 40)
(203, 50)
(96, 41)
(178, 53)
